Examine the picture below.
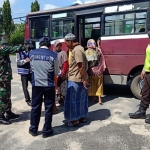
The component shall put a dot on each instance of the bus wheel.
(136, 85)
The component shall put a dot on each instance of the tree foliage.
(17, 37)
(35, 6)
(1, 20)
(7, 18)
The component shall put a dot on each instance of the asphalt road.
(108, 126)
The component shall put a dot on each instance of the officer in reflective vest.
(23, 66)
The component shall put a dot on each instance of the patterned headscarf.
(91, 44)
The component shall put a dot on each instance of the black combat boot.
(140, 114)
(147, 120)
(10, 115)
(29, 103)
(4, 121)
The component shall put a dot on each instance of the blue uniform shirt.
(44, 65)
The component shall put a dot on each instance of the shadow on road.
(117, 90)
(102, 114)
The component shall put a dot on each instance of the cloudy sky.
(22, 7)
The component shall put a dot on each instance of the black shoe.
(33, 133)
(147, 120)
(49, 134)
(29, 103)
(140, 114)
(4, 121)
(10, 115)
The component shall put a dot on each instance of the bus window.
(125, 23)
(39, 27)
(129, 23)
(140, 22)
(61, 28)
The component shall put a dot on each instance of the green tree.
(35, 6)
(17, 37)
(7, 18)
(1, 21)
(0, 10)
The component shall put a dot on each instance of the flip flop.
(101, 103)
(69, 124)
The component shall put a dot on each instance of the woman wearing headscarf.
(96, 67)
(63, 65)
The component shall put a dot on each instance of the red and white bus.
(121, 24)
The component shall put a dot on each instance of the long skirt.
(76, 102)
(95, 85)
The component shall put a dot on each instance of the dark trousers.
(37, 99)
(25, 79)
(145, 99)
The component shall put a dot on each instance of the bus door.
(88, 26)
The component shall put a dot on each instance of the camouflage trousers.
(5, 95)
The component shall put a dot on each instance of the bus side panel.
(125, 46)
(123, 55)
(122, 64)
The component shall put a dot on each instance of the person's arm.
(19, 61)
(82, 70)
(56, 67)
(65, 68)
(11, 50)
(81, 66)
(142, 73)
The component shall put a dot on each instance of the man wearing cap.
(44, 65)
(23, 66)
(76, 102)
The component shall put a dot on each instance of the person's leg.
(100, 100)
(3, 103)
(63, 89)
(9, 114)
(145, 99)
(24, 80)
(49, 101)
(37, 94)
(74, 104)
(99, 89)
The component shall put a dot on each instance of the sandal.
(101, 103)
(61, 101)
(82, 120)
(69, 124)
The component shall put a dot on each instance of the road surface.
(108, 126)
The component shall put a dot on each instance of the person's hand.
(85, 84)
(63, 76)
(142, 74)
(21, 48)
(98, 42)
(27, 59)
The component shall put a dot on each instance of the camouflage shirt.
(5, 63)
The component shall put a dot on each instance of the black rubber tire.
(134, 85)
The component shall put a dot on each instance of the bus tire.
(136, 85)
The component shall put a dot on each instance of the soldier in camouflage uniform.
(5, 84)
